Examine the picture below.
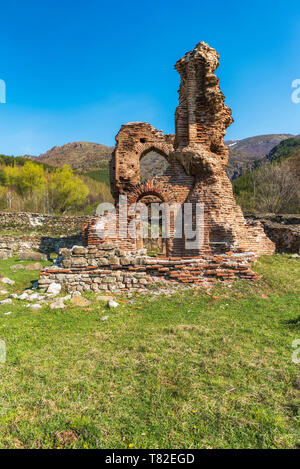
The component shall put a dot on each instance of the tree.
(30, 184)
(10, 175)
(3, 197)
(276, 188)
(2, 177)
(66, 191)
(31, 179)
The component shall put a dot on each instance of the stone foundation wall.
(40, 223)
(11, 245)
(46, 233)
(112, 269)
(283, 230)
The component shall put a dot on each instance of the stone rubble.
(17, 267)
(32, 255)
(80, 301)
(112, 304)
(54, 288)
(23, 296)
(58, 304)
(7, 281)
(8, 301)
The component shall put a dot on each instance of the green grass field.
(194, 370)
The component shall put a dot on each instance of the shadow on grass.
(292, 323)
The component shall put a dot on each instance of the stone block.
(5, 254)
(79, 250)
(65, 253)
(34, 266)
(125, 260)
(79, 261)
(103, 261)
(32, 256)
(114, 260)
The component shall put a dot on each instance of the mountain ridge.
(83, 156)
(244, 154)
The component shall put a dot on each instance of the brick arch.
(151, 187)
(157, 158)
(160, 149)
(133, 141)
(154, 188)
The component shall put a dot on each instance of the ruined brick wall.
(197, 160)
(133, 141)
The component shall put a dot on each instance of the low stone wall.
(283, 230)
(50, 233)
(46, 233)
(112, 269)
(40, 223)
(10, 245)
(283, 218)
(285, 237)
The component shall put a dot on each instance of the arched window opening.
(152, 164)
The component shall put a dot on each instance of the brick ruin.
(196, 174)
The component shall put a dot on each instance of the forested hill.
(245, 153)
(285, 149)
(274, 185)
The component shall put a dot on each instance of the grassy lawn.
(193, 370)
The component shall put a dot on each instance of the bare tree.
(276, 189)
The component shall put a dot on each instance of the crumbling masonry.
(196, 174)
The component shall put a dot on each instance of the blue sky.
(77, 70)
